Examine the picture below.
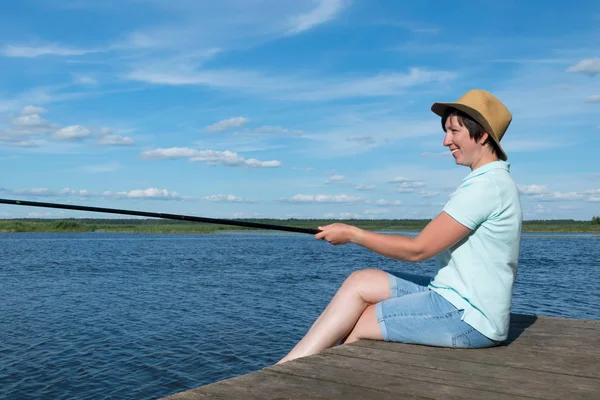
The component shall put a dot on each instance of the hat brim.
(440, 109)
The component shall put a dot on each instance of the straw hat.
(484, 108)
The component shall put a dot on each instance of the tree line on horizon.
(157, 221)
(174, 226)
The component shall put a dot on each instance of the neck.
(484, 159)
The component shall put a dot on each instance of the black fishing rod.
(161, 215)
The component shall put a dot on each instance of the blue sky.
(290, 108)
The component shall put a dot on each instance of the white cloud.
(557, 196)
(336, 179)
(387, 203)
(378, 211)
(406, 185)
(44, 95)
(169, 154)
(427, 195)
(210, 157)
(592, 195)
(325, 11)
(243, 215)
(28, 120)
(342, 215)
(227, 79)
(542, 193)
(321, 198)
(37, 214)
(29, 110)
(47, 50)
(71, 133)
(226, 124)
(388, 84)
(29, 124)
(400, 179)
(409, 187)
(25, 143)
(49, 193)
(73, 192)
(226, 198)
(151, 193)
(365, 187)
(34, 192)
(85, 80)
(290, 86)
(592, 99)
(588, 66)
(115, 140)
(198, 26)
(533, 189)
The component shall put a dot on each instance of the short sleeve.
(473, 203)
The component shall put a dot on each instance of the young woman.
(476, 239)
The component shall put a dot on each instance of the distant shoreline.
(159, 226)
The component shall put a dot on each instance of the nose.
(447, 138)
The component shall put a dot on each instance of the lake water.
(105, 316)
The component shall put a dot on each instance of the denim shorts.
(418, 315)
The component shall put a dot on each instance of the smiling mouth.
(454, 151)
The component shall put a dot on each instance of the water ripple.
(104, 316)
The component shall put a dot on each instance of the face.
(466, 151)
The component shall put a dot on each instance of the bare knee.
(372, 285)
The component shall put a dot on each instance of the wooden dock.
(544, 358)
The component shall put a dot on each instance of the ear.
(483, 139)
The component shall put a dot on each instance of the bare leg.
(361, 289)
(366, 327)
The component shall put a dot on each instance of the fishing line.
(162, 215)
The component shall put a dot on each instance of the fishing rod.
(162, 215)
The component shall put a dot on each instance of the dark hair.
(476, 130)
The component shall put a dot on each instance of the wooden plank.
(553, 327)
(547, 328)
(523, 319)
(559, 346)
(434, 377)
(326, 367)
(558, 337)
(471, 373)
(554, 330)
(545, 358)
(272, 385)
(193, 394)
(509, 356)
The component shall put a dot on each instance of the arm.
(441, 233)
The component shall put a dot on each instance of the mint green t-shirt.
(477, 273)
